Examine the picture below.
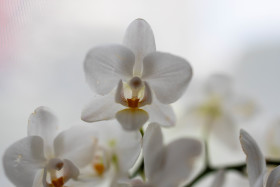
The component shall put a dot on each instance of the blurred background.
(43, 45)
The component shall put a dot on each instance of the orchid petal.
(226, 131)
(101, 108)
(119, 95)
(37, 182)
(147, 98)
(132, 119)
(127, 151)
(70, 171)
(142, 185)
(104, 66)
(168, 75)
(259, 182)
(76, 144)
(23, 159)
(274, 177)
(43, 123)
(111, 135)
(160, 113)
(153, 150)
(179, 162)
(219, 179)
(255, 160)
(139, 38)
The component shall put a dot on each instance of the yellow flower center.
(99, 168)
(59, 182)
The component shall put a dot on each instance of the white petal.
(161, 113)
(168, 75)
(226, 131)
(128, 151)
(139, 38)
(260, 181)
(70, 171)
(143, 185)
(101, 108)
(153, 150)
(132, 119)
(76, 144)
(219, 179)
(43, 123)
(274, 178)
(147, 99)
(255, 161)
(23, 159)
(179, 161)
(119, 95)
(111, 136)
(105, 65)
(38, 179)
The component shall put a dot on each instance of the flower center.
(57, 172)
(59, 182)
(138, 94)
(212, 107)
(99, 162)
(99, 168)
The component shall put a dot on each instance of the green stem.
(239, 168)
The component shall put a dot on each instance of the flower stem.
(239, 168)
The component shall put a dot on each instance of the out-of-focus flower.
(219, 109)
(44, 159)
(256, 164)
(115, 153)
(168, 165)
(273, 139)
(129, 76)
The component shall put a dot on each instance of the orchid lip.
(136, 99)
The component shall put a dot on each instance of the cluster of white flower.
(135, 85)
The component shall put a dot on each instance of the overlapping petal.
(168, 165)
(101, 108)
(76, 144)
(132, 119)
(139, 38)
(23, 159)
(219, 179)
(70, 171)
(273, 179)
(112, 137)
(168, 75)
(104, 66)
(256, 165)
(37, 182)
(160, 113)
(226, 131)
(179, 161)
(43, 123)
(153, 150)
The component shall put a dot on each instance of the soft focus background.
(43, 45)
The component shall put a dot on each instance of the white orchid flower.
(219, 109)
(44, 159)
(166, 165)
(128, 76)
(115, 153)
(256, 165)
